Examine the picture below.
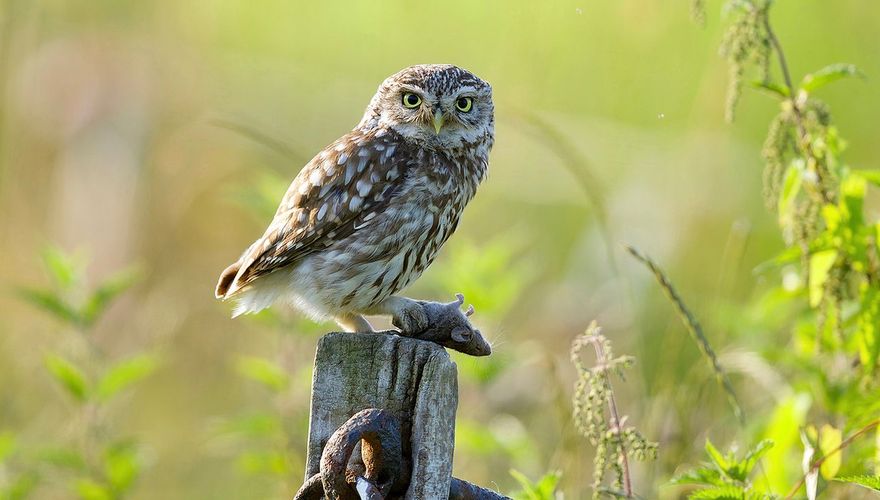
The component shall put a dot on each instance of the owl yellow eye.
(464, 104)
(411, 100)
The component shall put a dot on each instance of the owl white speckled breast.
(368, 214)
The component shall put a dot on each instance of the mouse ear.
(461, 334)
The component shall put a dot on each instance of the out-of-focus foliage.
(66, 300)
(17, 480)
(542, 489)
(95, 463)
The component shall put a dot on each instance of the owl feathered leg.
(354, 323)
(406, 314)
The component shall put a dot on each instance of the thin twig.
(786, 74)
(803, 136)
(615, 417)
(818, 463)
(780, 54)
(694, 328)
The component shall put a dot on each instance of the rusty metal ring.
(381, 451)
(378, 432)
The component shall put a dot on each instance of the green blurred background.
(160, 133)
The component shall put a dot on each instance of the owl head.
(434, 105)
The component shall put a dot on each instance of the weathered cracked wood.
(413, 379)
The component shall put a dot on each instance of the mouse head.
(468, 341)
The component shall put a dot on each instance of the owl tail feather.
(227, 277)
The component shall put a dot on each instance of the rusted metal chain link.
(384, 470)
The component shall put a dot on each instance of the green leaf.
(720, 493)
(770, 87)
(20, 487)
(829, 440)
(872, 176)
(474, 438)
(833, 217)
(121, 466)
(716, 456)
(783, 428)
(707, 475)
(543, 489)
(272, 463)
(263, 371)
(63, 268)
(853, 188)
(791, 186)
(790, 255)
(64, 458)
(258, 425)
(89, 489)
(820, 265)
(547, 484)
(124, 374)
(527, 489)
(68, 376)
(870, 482)
(104, 295)
(52, 303)
(7, 445)
(868, 328)
(829, 74)
(754, 455)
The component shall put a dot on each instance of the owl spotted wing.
(335, 194)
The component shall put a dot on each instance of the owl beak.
(438, 121)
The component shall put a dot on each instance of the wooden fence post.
(415, 381)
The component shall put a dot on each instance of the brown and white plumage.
(367, 215)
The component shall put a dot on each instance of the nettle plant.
(829, 272)
(91, 460)
(596, 416)
(726, 475)
(819, 200)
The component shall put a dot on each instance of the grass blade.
(695, 330)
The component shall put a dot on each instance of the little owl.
(367, 215)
